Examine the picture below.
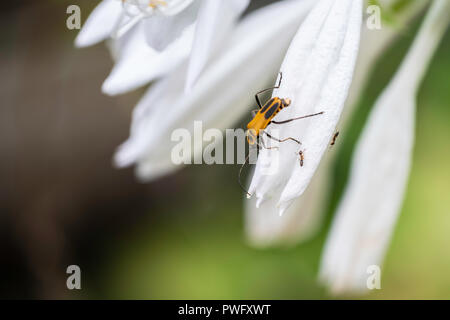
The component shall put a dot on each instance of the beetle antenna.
(281, 78)
(239, 176)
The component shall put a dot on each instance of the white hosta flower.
(214, 19)
(317, 74)
(264, 227)
(214, 69)
(369, 209)
(163, 34)
(222, 94)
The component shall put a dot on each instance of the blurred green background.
(181, 237)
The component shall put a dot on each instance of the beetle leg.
(239, 176)
(264, 145)
(271, 88)
(282, 140)
(298, 118)
(260, 144)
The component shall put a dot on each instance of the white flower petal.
(162, 30)
(175, 7)
(151, 110)
(317, 74)
(218, 100)
(215, 20)
(154, 7)
(139, 64)
(100, 23)
(265, 227)
(369, 209)
(373, 43)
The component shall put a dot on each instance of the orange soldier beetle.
(263, 117)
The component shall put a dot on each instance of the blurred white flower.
(113, 18)
(161, 36)
(164, 19)
(317, 71)
(372, 201)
